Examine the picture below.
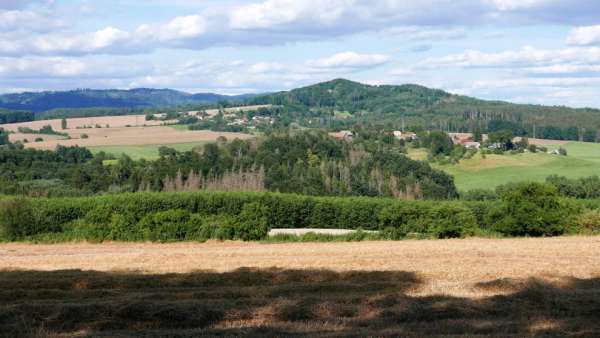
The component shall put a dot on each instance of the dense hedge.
(249, 216)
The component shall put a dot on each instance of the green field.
(148, 152)
(477, 173)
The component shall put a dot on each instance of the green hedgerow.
(17, 219)
(251, 223)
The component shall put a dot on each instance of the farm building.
(346, 135)
(400, 135)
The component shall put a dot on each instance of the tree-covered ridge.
(88, 98)
(419, 105)
(306, 162)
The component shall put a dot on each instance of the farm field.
(140, 140)
(583, 160)
(472, 287)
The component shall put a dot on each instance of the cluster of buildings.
(465, 140)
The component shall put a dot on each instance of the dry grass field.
(72, 124)
(450, 288)
(139, 132)
(124, 136)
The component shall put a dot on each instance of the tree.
(438, 143)
(532, 209)
(503, 137)
(477, 137)
(3, 137)
(63, 124)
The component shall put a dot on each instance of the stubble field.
(131, 135)
(473, 287)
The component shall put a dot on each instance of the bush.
(17, 219)
(452, 221)
(589, 221)
(202, 228)
(96, 225)
(165, 226)
(532, 209)
(406, 218)
(251, 224)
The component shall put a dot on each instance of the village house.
(346, 135)
(407, 135)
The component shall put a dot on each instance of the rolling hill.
(357, 103)
(88, 98)
(418, 104)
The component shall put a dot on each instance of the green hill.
(88, 98)
(423, 106)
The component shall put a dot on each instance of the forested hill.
(88, 98)
(417, 103)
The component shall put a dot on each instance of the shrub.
(532, 209)
(452, 221)
(123, 228)
(96, 225)
(202, 228)
(589, 221)
(165, 226)
(251, 224)
(17, 219)
(406, 218)
(479, 195)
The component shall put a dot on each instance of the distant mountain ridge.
(114, 98)
(391, 105)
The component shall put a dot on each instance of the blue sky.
(533, 51)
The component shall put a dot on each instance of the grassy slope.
(146, 151)
(583, 160)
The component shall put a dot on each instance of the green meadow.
(583, 159)
(148, 152)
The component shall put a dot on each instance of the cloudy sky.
(535, 51)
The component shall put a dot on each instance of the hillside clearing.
(475, 173)
(148, 152)
(474, 287)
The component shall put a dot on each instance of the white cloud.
(525, 57)
(426, 33)
(350, 60)
(273, 13)
(511, 5)
(584, 36)
(183, 27)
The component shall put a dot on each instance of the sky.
(527, 51)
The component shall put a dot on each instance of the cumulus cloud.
(426, 33)
(525, 57)
(271, 22)
(275, 13)
(349, 60)
(585, 36)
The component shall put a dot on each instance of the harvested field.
(122, 136)
(72, 124)
(140, 133)
(31, 137)
(474, 287)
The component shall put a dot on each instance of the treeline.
(529, 209)
(15, 116)
(309, 163)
